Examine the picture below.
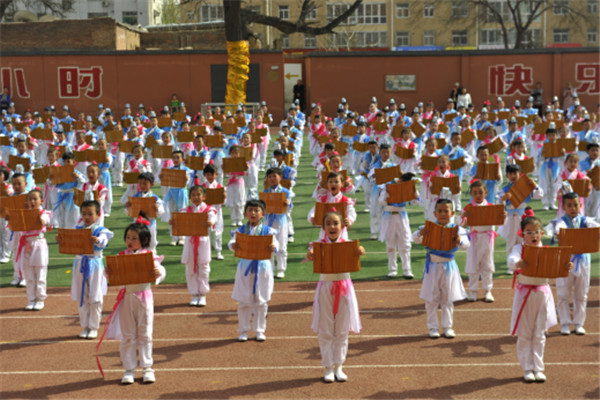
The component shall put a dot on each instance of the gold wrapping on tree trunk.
(237, 74)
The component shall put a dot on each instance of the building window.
(429, 10)
(371, 14)
(340, 40)
(592, 6)
(560, 36)
(561, 7)
(428, 38)
(285, 41)
(284, 12)
(497, 7)
(592, 35)
(532, 38)
(402, 10)
(130, 17)
(312, 14)
(310, 41)
(335, 10)
(460, 38)
(190, 15)
(403, 39)
(491, 37)
(369, 39)
(460, 9)
(211, 13)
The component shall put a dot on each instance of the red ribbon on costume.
(338, 288)
(196, 242)
(120, 297)
(22, 244)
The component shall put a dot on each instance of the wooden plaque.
(200, 130)
(401, 192)
(146, 125)
(417, 129)
(380, 126)
(127, 146)
(97, 156)
(439, 237)
(503, 114)
(4, 140)
(450, 116)
(165, 122)
(552, 150)
(495, 145)
(234, 164)
(89, 139)
(253, 247)
(66, 126)
(341, 147)
(440, 143)
(443, 128)
(80, 156)
(185, 136)
(40, 175)
(195, 162)
(527, 165)
(131, 178)
(323, 208)
(581, 186)
(176, 178)
(349, 130)
(246, 153)
(255, 138)
(322, 139)
(336, 258)
(267, 119)
(179, 116)
(75, 241)
(546, 262)
(594, 175)
(567, 143)
(522, 188)
(43, 134)
(457, 163)
(492, 214)
(20, 125)
(229, 128)
(404, 153)
(429, 163)
(190, 224)
(466, 137)
(492, 116)
(13, 161)
(22, 220)
(126, 122)
(481, 135)
(487, 171)
(286, 183)
(360, 146)
(18, 202)
(162, 151)
(582, 240)
(582, 146)
(114, 136)
(79, 196)
(130, 269)
(521, 121)
(397, 132)
(289, 159)
(438, 182)
(150, 142)
(64, 174)
(215, 196)
(240, 121)
(262, 132)
(275, 202)
(385, 175)
(213, 141)
(145, 204)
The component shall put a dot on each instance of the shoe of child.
(565, 330)
(290, 239)
(579, 330)
(449, 333)
(22, 283)
(392, 274)
(529, 376)
(201, 301)
(510, 272)
(173, 243)
(329, 375)
(408, 276)
(4, 260)
(472, 297)
(38, 306)
(280, 275)
(260, 337)
(243, 337)
(340, 376)
(92, 334)
(148, 375)
(194, 301)
(15, 282)
(128, 378)
(30, 306)
(220, 256)
(488, 298)
(539, 376)
(234, 223)
(367, 210)
(433, 333)
(83, 333)
(180, 242)
(374, 236)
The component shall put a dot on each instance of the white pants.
(579, 286)
(4, 240)
(333, 330)
(136, 321)
(591, 204)
(441, 299)
(36, 282)
(90, 314)
(282, 237)
(217, 240)
(531, 339)
(375, 213)
(397, 240)
(197, 283)
(368, 188)
(245, 312)
(487, 281)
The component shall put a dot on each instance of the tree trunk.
(233, 20)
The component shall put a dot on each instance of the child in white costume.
(196, 250)
(578, 281)
(88, 286)
(533, 309)
(210, 175)
(18, 183)
(6, 190)
(335, 308)
(145, 183)
(236, 192)
(253, 285)
(442, 285)
(132, 322)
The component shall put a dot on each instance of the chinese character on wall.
(74, 80)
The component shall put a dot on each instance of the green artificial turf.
(373, 264)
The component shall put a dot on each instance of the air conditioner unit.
(106, 3)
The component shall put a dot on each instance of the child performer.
(483, 155)
(443, 170)
(549, 174)
(133, 318)
(251, 176)
(210, 175)
(196, 250)
(145, 183)
(89, 283)
(18, 183)
(442, 285)
(592, 203)
(32, 254)
(367, 162)
(236, 191)
(279, 222)
(385, 152)
(430, 151)
(93, 174)
(334, 317)
(512, 224)
(50, 190)
(253, 283)
(136, 164)
(105, 177)
(67, 213)
(480, 255)
(406, 165)
(176, 198)
(533, 309)
(578, 281)
(570, 172)
(395, 232)
(6, 190)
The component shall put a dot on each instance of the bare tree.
(170, 12)
(53, 7)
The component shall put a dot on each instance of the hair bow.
(142, 220)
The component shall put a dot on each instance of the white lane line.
(305, 367)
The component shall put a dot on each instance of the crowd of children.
(347, 153)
